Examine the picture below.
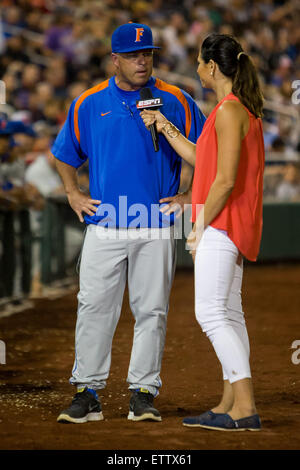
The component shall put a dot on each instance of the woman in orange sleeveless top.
(227, 214)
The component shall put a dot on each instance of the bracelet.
(171, 130)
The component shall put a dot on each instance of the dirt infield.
(34, 382)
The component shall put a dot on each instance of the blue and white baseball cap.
(8, 128)
(131, 37)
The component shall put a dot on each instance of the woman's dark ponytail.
(246, 85)
(236, 64)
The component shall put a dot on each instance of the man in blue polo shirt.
(128, 238)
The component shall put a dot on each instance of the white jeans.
(218, 306)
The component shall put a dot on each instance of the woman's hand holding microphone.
(161, 122)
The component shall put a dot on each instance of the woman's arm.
(184, 147)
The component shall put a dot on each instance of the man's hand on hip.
(176, 203)
(81, 203)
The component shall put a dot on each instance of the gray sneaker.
(85, 407)
(141, 406)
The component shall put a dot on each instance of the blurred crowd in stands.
(53, 50)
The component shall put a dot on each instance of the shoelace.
(145, 398)
(80, 396)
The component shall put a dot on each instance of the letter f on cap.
(139, 34)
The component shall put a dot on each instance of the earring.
(211, 72)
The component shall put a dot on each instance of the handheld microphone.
(148, 102)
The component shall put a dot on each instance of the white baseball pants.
(106, 264)
(218, 306)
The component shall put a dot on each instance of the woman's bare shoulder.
(231, 111)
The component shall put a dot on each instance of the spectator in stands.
(58, 36)
(16, 139)
(5, 201)
(289, 188)
(43, 177)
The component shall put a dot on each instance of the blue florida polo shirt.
(125, 173)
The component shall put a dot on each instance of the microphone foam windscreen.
(146, 93)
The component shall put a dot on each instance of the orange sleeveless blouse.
(242, 215)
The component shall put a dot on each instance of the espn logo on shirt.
(151, 103)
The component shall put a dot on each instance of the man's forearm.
(81, 203)
(68, 175)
